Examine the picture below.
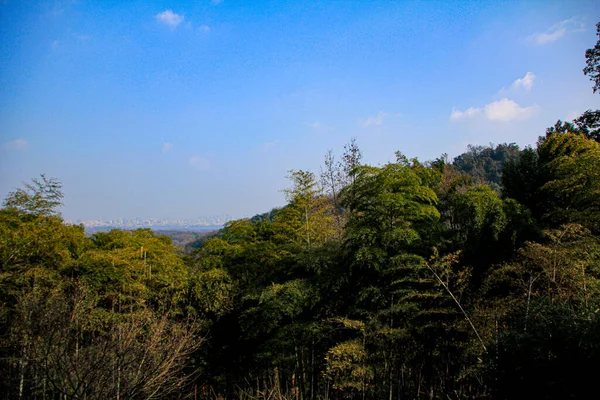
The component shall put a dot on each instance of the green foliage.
(477, 212)
(592, 59)
(278, 303)
(573, 186)
(213, 291)
(588, 124)
(41, 197)
(390, 208)
(133, 268)
(523, 178)
(406, 280)
(485, 165)
(308, 219)
(550, 317)
(347, 367)
(88, 317)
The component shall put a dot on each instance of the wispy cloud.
(525, 82)
(204, 28)
(166, 147)
(169, 18)
(556, 31)
(504, 110)
(17, 144)
(199, 163)
(375, 120)
(468, 113)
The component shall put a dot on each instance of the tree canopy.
(476, 278)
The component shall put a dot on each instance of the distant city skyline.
(157, 222)
(163, 109)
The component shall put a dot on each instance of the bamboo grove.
(471, 278)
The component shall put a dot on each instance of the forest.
(476, 277)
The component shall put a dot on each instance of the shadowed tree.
(592, 59)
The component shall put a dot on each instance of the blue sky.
(180, 109)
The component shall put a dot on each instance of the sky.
(178, 109)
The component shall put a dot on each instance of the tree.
(562, 127)
(77, 351)
(41, 197)
(592, 59)
(393, 218)
(99, 317)
(550, 324)
(587, 124)
(332, 180)
(485, 164)
(308, 218)
(571, 190)
(350, 161)
(348, 367)
(133, 269)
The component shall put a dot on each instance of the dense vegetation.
(476, 278)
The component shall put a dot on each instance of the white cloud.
(200, 163)
(169, 18)
(17, 144)
(204, 28)
(314, 125)
(376, 120)
(504, 110)
(166, 147)
(468, 113)
(556, 31)
(525, 82)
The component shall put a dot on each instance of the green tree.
(308, 218)
(592, 59)
(87, 317)
(351, 159)
(485, 164)
(587, 124)
(393, 220)
(41, 197)
(523, 178)
(573, 185)
(332, 181)
(549, 323)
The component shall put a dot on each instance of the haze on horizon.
(158, 109)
